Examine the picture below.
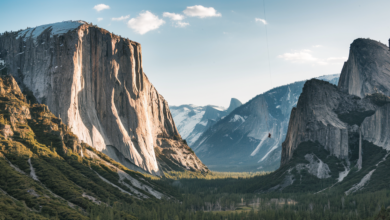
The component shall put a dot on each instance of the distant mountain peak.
(234, 103)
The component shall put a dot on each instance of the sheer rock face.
(95, 82)
(367, 70)
(314, 120)
(327, 114)
(376, 129)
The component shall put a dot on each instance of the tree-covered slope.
(46, 172)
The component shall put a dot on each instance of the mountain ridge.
(336, 140)
(242, 136)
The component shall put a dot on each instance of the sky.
(207, 52)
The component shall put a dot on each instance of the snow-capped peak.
(56, 29)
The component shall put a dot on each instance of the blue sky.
(216, 50)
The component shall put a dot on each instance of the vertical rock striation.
(325, 113)
(376, 129)
(314, 120)
(94, 81)
(367, 70)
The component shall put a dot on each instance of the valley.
(84, 134)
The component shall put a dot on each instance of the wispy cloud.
(260, 20)
(173, 16)
(201, 11)
(181, 24)
(100, 19)
(306, 57)
(177, 19)
(121, 18)
(145, 22)
(101, 7)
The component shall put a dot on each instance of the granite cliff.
(338, 137)
(326, 114)
(94, 81)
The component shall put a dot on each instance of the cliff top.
(367, 42)
(59, 28)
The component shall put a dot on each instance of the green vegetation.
(68, 183)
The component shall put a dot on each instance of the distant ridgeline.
(192, 121)
(238, 142)
(338, 136)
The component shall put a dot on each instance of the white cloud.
(201, 11)
(302, 56)
(261, 20)
(145, 22)
(173, 16)
(101, 7)
(177, 18)
(100, 19)
(337, 59)
(181, 24)
(121, 18)
(306, 57)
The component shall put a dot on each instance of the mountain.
(48, 173)
(193, 120)
(94, 81)
(337, 137)
(239, 142)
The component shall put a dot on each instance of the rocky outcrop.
(376, 129)
(234, 103)
(173, 155)
(367, 69)
(315, 120)
(358, 105)
(94, 81)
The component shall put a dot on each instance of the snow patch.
(219, 108)
(193, 137)
(272, 149)
(55, 29)
(260, 144)
(237, 118)
(204, 123)
(184, 123)
(2, 62)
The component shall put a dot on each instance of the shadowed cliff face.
(329, 114)
(94, 81)
(323, 115)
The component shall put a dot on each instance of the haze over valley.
(194, 110)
